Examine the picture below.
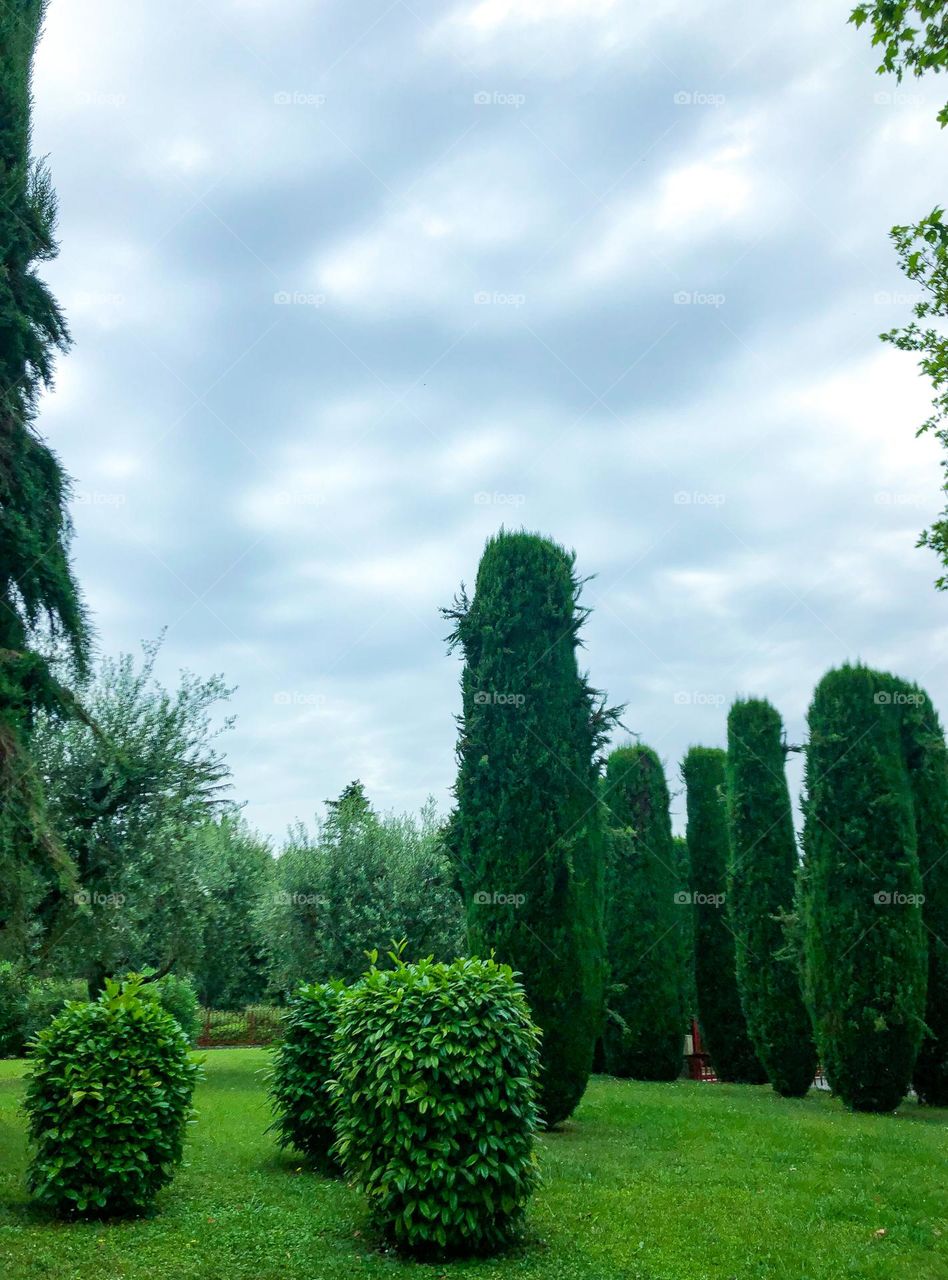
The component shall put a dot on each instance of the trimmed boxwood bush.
(720, 1015)
(761, 888)
(528, 836)
(865, 954)
(644, 1035)
(436, 1068)
(108, 1101)
(300, 1079)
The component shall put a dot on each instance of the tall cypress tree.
(864, 949)
(761, 889)
(928, 774)
(38, 595)
(645, 1036)
(528, 833)
(720, 1015)
(686, 928)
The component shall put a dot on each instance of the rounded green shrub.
(177, 995)
(761, 889)
(865, 956)
(720, 1015)
(644, 1036)
(435, 1082)
(301, 1076)
(12, 1009)
(108, 1101)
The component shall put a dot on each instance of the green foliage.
(177, 996)
(358, 880)
(235, 869)
(864, 945)
(720, 1015)
(686, 926)
(108, 1100)
(761, 887)
(644, 1036)
(126, 798)
(913, 35)
(301, 1076)
(40, 605)
(528, 832)
(928, 772)
(435, 1084)
(12, 1009)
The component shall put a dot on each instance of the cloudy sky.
(354, 284)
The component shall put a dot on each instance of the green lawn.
(648, 1182)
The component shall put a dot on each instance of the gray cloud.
(351, 287)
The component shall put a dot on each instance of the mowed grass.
(648, 1182)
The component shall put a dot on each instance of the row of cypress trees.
(571, 873)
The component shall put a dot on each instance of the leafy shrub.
(12, 1010)
(302, 1069)
(108, 1100)
(436, 1068)
(178, 997)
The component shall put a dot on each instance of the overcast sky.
(354, 284)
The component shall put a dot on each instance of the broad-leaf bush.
(108, 1101)
(177, 995)
(300, 1080)
(435, 1084)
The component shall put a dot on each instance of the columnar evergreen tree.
(644, 1035)
(761, 886)
(38, 595)
(527, 834)
(723, 1025)
(686, 927)
(928, 772)
(864, 946)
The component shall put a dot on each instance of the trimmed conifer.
(723, 1026)
(686, 928)
(761, 886)
(928, 773)
(528, 833)
(865, 959)
(644, 1034)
